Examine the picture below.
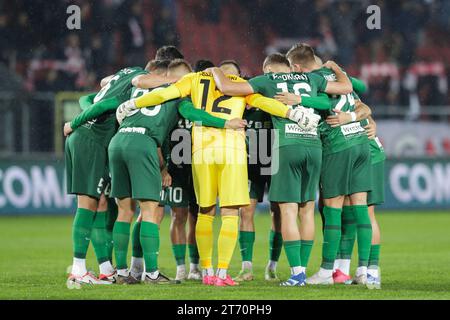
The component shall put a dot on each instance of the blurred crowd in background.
(407, 61)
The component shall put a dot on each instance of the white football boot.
(75, 282)
(360, 279)
(320, 279)
(195, 274)
(181, 274)
(374, 280)
(137, 267)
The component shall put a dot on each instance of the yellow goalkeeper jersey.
(202, 89)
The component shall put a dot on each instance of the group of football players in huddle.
(171, 135)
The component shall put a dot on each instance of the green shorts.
(376, 195)
(257, 182)
(134, 164)
(86, 166)
(297, 179)
(181, 192)
(346, 172)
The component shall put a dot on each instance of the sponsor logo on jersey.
(133, 130)
(352, 129)
(295, 129)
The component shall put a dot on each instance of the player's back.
(205, 95)
(119, 86)
(342, 137)
(155, 122)
(271, 84)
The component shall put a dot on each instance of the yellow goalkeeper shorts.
(220, 172)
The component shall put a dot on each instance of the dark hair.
(178, 63)
(232, 62)
(161, 65)
(168, 53)
(301, 53)
(201, 65)
(276, 58)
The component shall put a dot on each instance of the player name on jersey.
(290, 76)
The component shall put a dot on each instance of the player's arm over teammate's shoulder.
(268, 105)
(244, 88)
(228, 87)
(342, 85)
(152, 80)
(181, 88)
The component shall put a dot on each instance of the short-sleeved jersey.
(345, 136)
(156, 122)
(201, 87)
(270, 84)
(103, 128)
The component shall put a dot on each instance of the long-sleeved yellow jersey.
(204, 95)
(202, 89)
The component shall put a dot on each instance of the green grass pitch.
(415, 255)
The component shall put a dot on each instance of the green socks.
(121, 237)
(275, 245)
(111, 218)
(179, 252)
(136, 241)
(331, 236)
(292, 249)
(150, 245)
(99, 237)
(374, 256)
(81, 232)
(193, 254)
(246, 242)
(364, 232)
(348, 233)
(305, 251)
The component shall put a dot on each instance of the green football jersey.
(103, 128)
(299, 83)
(156, 122)
(342, 137)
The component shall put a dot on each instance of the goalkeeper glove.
(124, 109)
(305, 119)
